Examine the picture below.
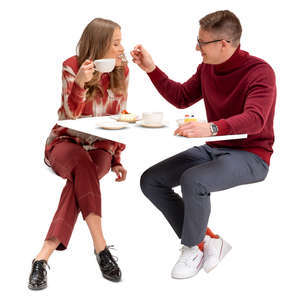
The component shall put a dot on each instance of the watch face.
(214, 129)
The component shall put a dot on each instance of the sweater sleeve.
(73, 96)
(260, 98)
(180, 95)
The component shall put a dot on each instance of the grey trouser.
(199, 171)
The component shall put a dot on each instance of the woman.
(81, 158)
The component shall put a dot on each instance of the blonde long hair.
(93, 44)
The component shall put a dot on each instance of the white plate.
(112, 125)
(152, 125)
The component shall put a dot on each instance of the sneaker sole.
(224, 250)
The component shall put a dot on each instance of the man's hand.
(120, 172)
(194, 129)
(142, 58)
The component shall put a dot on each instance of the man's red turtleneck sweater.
(239, 97)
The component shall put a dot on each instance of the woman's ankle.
(48, 248)
(41, 257)
(100, 247)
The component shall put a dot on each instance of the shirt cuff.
(156, 74)
(223, 127)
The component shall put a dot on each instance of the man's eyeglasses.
(200, 44)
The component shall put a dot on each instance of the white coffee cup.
(105, 65)
(153, 117)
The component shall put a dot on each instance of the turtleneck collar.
(233, 62)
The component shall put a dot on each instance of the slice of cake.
(125, 116)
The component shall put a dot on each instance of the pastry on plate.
(125, 116)
(188, 118)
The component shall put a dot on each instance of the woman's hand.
(85, 73)
(120, 172)
(142, 58)
(194, 129)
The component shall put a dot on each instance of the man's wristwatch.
(213, 129)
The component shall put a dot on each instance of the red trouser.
(83, 170)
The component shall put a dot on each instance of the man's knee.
(147, 180)
(192, 183)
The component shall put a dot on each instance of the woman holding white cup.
(81, 158)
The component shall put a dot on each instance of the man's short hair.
(224, 24)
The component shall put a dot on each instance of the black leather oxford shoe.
(38, 275)
(108, 266)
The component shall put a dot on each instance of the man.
(239, 93)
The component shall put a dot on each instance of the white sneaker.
(189, 263)
(214, 251)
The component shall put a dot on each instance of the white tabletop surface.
(135, 132)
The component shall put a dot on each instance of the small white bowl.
(180, 121)
(152, 117)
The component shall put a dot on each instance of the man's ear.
(224, 44)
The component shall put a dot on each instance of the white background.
(260, 221)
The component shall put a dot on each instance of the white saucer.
(112, 125)
(152, 125)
